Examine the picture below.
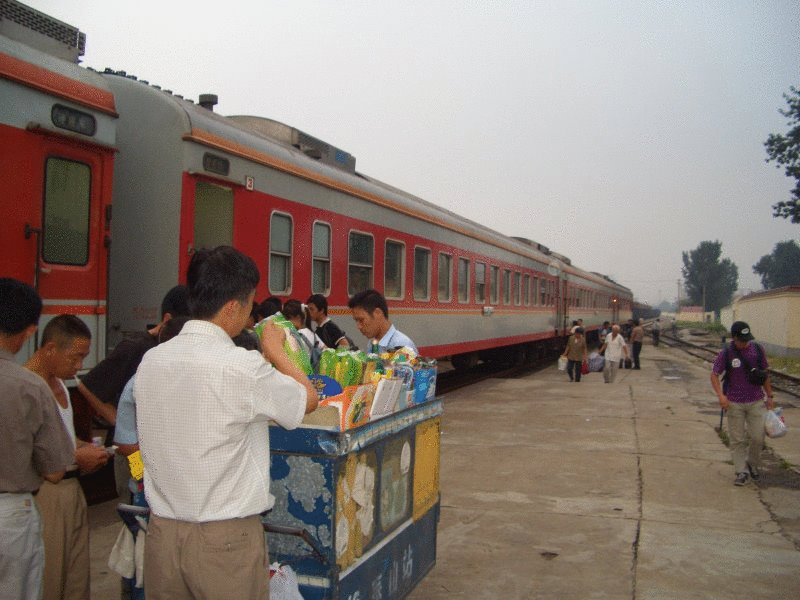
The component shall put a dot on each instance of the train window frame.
(525, 292)
(463, 298)
(494, 284)
(53, 238)
(367, 267)
(283, 256)
(317, 259)
(427, 279)
(449, 273)
(402, 268)
(535, 290)
(506, 287)
(480, 283)
(517, 283)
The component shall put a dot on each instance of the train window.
(67, 193)
(506, 286)
(422, 269)
(526, 286)
(321, 259)
(517, 286)
(445, 277)
(360, 260)
(394, 269)
(280, 254)
(213, 215)
(535, 291)
(480, 283)
(494, 284)
(463, 280)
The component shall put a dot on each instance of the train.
(108, 185)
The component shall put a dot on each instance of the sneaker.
(754, 472)
(741, 478)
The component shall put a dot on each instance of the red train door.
(65, 234)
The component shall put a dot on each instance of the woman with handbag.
(576, 354)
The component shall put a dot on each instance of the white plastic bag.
(121, 560)
(283, 583)
(562, 363)
(774, 425)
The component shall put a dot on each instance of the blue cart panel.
(369, 498)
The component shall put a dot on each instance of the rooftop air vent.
(208, 101)
(309, 145)
(40, 31)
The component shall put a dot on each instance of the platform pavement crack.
(640, 495)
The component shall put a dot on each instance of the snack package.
(291, 344)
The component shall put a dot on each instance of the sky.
(619, 133)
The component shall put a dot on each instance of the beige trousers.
(216, 560)
(65, 531)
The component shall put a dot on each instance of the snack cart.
(368, 497)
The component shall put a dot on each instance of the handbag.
(584, 368)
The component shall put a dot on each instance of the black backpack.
(755, 375)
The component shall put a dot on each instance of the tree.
(781, 268)
(785, 150)
(709, 282)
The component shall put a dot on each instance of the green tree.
(785, 151)
(709, 281)
(781, 268)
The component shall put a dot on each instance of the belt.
(72, 474)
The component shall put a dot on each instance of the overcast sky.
(618, 133)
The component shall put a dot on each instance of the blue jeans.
(21, 548)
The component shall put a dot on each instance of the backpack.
(755, 375)
(313, 350)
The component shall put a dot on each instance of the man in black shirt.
(328, 331)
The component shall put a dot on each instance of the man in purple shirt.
(743, 400)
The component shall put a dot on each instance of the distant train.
(109, 184)
(645, 312)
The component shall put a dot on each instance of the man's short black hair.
(218, 276)
(369, 300)
(172, 328)
(20, 306)
(176, 302)
(269, 307)
(320, 301)
(63, 329)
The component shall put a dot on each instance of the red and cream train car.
(185, 177)
(57, 146)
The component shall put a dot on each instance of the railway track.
(707, 351)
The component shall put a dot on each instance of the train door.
(213, 215)
(208, 215)
(65, 233)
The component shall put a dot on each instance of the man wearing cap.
(743, 399)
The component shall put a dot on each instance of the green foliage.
(781, 268)
(785, 151)
(708, 278)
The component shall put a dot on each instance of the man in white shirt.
(371, 314)
(614, 347)
(203, 412)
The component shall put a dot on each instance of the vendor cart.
(367, 499)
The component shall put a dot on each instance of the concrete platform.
(559, 490)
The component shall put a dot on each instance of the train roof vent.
(40, 31)
(309, 145)
(540, 247)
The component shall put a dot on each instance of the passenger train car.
(109, 184)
